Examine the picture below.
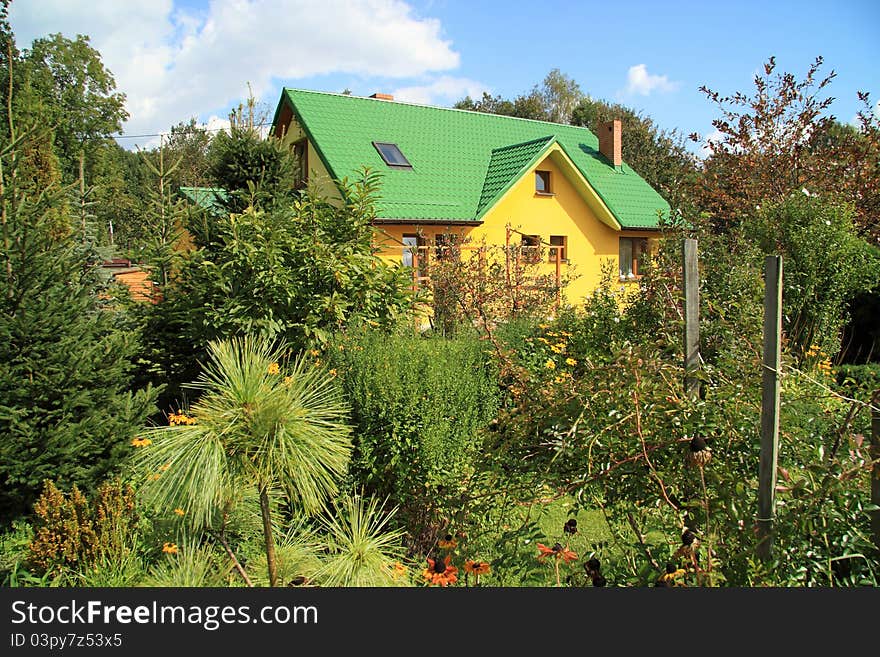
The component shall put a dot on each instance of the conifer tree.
(66, 410)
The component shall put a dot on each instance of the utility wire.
(163, 134)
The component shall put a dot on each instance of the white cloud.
(639, 81)
(174, 64)
(443, 90)
(714, 137)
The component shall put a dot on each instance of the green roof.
(204, 197)
(462, 161)
(506, 166)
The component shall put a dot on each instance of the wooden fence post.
(558, 278)
(769, 404)
(691, 282)
(875, 470)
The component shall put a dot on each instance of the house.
(455, 174)
(134, 277)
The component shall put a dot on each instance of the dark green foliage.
(66, 408)
(296, 273)
(418, 407)
(80, 97)
(825, 265)
(255, 172)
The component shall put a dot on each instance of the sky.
(177, 59)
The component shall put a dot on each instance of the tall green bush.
(825, 265)
(418, 405)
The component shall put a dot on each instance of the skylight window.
(392, 155)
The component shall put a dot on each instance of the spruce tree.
(66, 410)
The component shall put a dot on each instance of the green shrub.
(418, 406)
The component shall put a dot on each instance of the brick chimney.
(611, 142)
(382, 96)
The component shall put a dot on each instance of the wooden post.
(558, 277)
(415, 283)
(507, 255)
(875, 470)
(691, 283)
(769, 404)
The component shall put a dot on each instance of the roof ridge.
(439, 107)
(539, 140)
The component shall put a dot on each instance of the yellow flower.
(287, 380)
(557, 348)
(154, 477)
(273, 368)
(179, 511)
(169, 548)
(571, 361)
(550, 365)
(163, 468)
(175, 419)
(141, 442)
(543, 326)
(332, 372)
(314, 353)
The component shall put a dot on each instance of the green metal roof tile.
(204, 197)
(506, 166)
(461, 161)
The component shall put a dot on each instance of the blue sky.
(180, 58)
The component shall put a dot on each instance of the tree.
(254, 426)
(121, 182)
(561, 94)
(782, 139)
(254, 172)
(67, 410)
(825, 263)
(189, 143)
(296, 273)
(80, 98)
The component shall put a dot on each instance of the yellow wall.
(589, 241)
(317, 171)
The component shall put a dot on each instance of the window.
(530, 247)
(300, 150)
(411, 244)
(633, 252)
(542, 182)
(558, 243)
(391, 155)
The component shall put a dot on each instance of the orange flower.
(557, 551)
(447, 542)
(141, 442)
(440, 573)
(274, 368)
(476, 567)
(179, 511)
(169, 548)
(398, 570)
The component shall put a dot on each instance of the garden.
(278, 417)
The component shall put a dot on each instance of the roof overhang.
(426, 222)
